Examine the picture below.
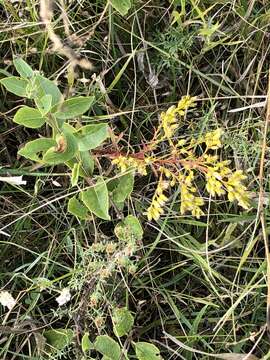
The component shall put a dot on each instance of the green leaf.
(122, 6)
(146, 351)
(124, 187)
(86, 343)
(23, 68)
(87, 162)
(33, 150)
(59, 338)
(75, 207)
(91, 136)
(74, 107)
(107, 347)
(15, 85)
(42, 86)
(97, 199)
(75, 174)
(129, 229)
(44, 103)
(123, 321)
(29, 117)
(65, 150)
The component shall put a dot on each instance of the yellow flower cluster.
(126, 162)
(181, 164)
(220, 179)
(190, 202)
(170, 118)
(236, 190)
(159, 199)
(213, 184)
(213, 139)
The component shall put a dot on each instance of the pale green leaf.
(74, 107)
(107, 347)
(75, 207)
(97, 199)
(29, 117)
(124, 187)
(87, 162)
(64, 151)
(23, 68)
(75, 174)
(43, 86)
(15, 85)
(34, 150)
(86, 343)
(44, 103)
(59, 338)
(122, 6)
(91, 136)
(123, 321)
(147, 351)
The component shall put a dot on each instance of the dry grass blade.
(261, 201)
(224, 356)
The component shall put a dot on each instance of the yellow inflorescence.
(170, 119)
(159, 199)
(236, 190)
(124, 163)
(190, 202)
(183, 162)
(213, 139)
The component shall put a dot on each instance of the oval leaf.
(74, 107)
(44, 103)
(59, 338)
(123, 321)
(87, 163)
(97, 199)
(86, 343)
(122, 6)
(65, 149)
(15, 85)
(124, 187)
(75, 207)
(29, 117)
(91, 136)
(107, 347)
(23, 68)
(33, 150)
(42, 86)
(146, 351)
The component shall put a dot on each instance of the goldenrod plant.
(183, 162)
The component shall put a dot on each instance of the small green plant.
(67, 144)
(123, 322)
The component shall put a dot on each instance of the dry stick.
(46, 15)
(261, 201)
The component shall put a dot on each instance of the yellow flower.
(213, 182)
(123, 163)
(212, 139)
(236, 190)
(169, 122)
(190, 202)
(185, 103)
(159, 199)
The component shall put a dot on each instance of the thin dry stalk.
(261, 200)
